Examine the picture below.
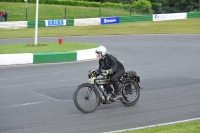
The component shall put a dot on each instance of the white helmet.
(101, 49)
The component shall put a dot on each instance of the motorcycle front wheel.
(86, 98)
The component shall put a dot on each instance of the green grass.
(50, 47)
(17, 11)
(187, 127)
(188, 26)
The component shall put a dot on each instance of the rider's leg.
(115, 78)
(108, 89)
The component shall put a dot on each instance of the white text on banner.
(61, 22)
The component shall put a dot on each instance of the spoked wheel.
(130, 93)
(86, 98)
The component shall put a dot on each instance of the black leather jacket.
(110, 62)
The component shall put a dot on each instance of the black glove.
(109, 71)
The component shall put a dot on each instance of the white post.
(36, 23)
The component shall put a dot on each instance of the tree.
(171, 6)
(142, 6)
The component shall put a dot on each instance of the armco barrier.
(193, 15)
(135, 18)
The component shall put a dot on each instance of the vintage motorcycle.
(88, 96)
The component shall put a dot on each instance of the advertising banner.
(171, 16)
(61, 22)
(112, 20)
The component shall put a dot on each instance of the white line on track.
(36, 103)
(40, 74)
(163, 124)
(25, 104)
(13, 86)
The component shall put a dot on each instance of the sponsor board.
(61, 22)
(172, 16)
(112, 20)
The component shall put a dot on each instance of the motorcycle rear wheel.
(130, 93)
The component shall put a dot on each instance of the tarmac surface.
(37, 98)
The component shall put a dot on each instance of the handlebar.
(102, 73)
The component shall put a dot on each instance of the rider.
(111, 66)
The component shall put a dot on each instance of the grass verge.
(45, 47)
(186, 127)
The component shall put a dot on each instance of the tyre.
(130, 93)
(86, 98)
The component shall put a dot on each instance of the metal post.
(191, 8)
(26, 10)
(36, 23)
(100, 9)
(130, 7)
(199, 5)
(65, 13)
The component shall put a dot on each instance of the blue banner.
(61, 22)
(112, 20)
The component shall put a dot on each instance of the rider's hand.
(103, 71)
(109, 71)
(92, 73)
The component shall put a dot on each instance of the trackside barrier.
(58, 22)
(11, 59)
(46, 23)
(98, 21)
(35, 58)
(124, 19)
(110, 20)
(81, 54)
(54, 57)
(31, 24)
(70, 22)
(13, 25)
(169, 16)
(87, 21)
(193, 15)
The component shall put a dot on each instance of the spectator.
(5, 15)
(1, 16)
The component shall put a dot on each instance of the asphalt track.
(38, 98)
